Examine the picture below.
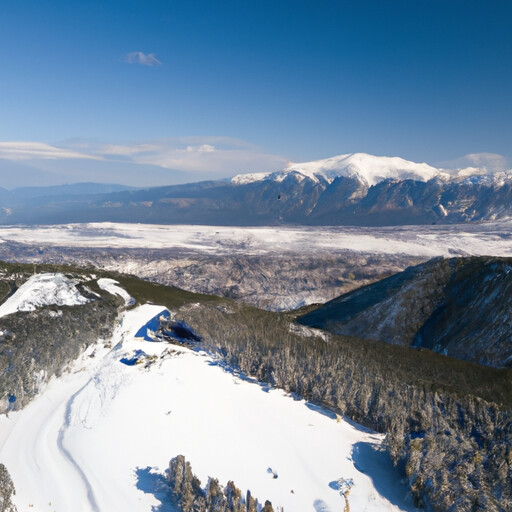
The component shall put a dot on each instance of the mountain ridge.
(368, 169)
(349, 190)
(457, 307)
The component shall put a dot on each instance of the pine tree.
(176, 477)
(215, 498)
(187, 492)
(252, 504)
(267, 507)
(234, 498)
(6, 491)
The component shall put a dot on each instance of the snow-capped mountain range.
(368, 169)
(355, 189)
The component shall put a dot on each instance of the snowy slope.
(98, 437)
(111, 286)
(368, 169)
(43, 290)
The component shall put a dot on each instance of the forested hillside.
(448, 422)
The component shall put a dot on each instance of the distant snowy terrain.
(275, 268)
(354, 189)
(43, 290)
(371, 169)
(368, 169)
(491, 238)
(100, 437)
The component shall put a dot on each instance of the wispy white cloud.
(141, 163)
(145, 59)
(203, 148)
(202, 157)
(40, 151)
(219, 157)
(490, 162)
(120, 150)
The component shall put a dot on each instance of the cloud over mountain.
(490, 162)
(139, 163)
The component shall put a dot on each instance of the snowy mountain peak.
(368, 169)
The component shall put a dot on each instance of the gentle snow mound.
(110, 286)
(43, 290)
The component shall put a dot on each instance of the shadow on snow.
(150, 482)
(375, 462)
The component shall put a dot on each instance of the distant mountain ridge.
(356, 189)
(458, 307)
(68, 189)
(368, 169)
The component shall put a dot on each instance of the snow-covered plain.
(43, 290)
(98, 438)
(492, 238)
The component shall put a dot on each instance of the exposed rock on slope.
(459, 307)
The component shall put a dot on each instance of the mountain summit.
(351, 190)
(367, 169)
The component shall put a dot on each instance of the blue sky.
(171, 91)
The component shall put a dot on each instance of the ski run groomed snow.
(98, 437)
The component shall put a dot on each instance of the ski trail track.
(65, 452)
(34, 451)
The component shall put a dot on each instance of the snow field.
(492, 239)
(95, 438)
(43, 290)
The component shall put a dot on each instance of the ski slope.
(97, 439)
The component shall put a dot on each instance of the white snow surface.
(371, 169)
(368, 169)
(111, 286)
(490, 238)
(43, 290)
(98, 436)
